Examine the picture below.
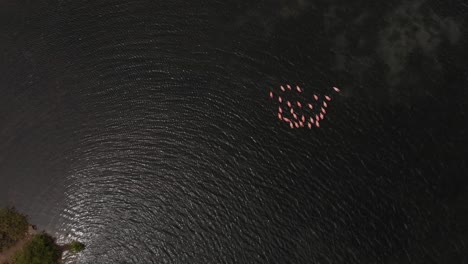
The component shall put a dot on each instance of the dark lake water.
(143, 129)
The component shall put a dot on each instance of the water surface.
(143, 129)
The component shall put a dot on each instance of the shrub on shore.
(76, 247)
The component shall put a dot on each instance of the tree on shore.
(40, 250)
(32, 247)
(13, 227)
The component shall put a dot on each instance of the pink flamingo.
(315, 97)
(280, 99)
(328, 98)
(317, 124)
(291, 125)
(280, 117)
(322, 116)
(309, 125)
(298, 89)
(299, 104)
(323, 110)
(303, 118)
(336, 89)
(292, 111)
(282, 88)
(310, 106)
(286, 119)
(280, 109)
(295, 116)
(289, 86)
(325, 104)
(289, 103)
(271, 94)
(301, 124)
(296, 124)
(311, 119)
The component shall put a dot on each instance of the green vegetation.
(21, 244)
(13, 227)
(76, 247)
(40, 250)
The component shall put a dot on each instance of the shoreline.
(5, 256)
(22, 243)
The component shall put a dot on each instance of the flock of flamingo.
(297, 111)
